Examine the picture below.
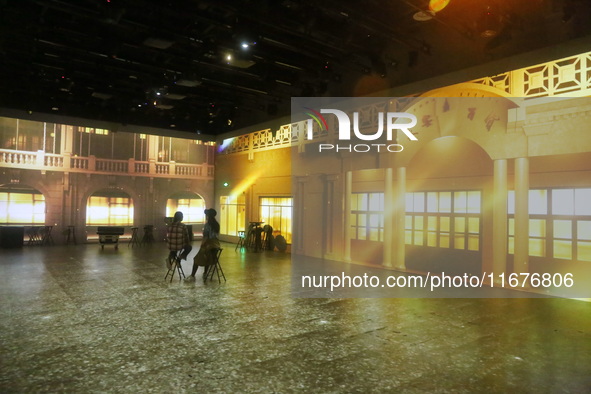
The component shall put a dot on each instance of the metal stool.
(46, 238)
(215, 268)
(175, 265)
(134, 238)
(71, 235)
(148, 237)
(240, 243)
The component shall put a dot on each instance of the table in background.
(253, 237)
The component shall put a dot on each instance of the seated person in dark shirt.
(211, 232)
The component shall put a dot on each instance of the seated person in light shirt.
(177, 239)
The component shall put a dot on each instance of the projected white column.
(348, 190)
(388, 218)
(399, 214)
(521, 261)
(499, 252)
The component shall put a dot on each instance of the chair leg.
(173, 269)
(215, 268)
(175, 266)
(170, 270)
(180, 268)
(208, 274)
(220, 270)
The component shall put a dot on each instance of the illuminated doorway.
(233, 214)
(277, 213)
(109, 207)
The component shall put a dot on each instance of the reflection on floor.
(81, 319)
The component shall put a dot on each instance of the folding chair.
(215, 268)
(175, 265)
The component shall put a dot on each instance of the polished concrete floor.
(81, 319)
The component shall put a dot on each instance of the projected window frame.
(192, 207)
(93, 141)
(444, 219)
(109, 211)
(22, 208)
(277, 212)
(559, 223)
(232, 214)
(367, 216)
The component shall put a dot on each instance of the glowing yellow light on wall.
(437, 5)
(244, 184)
(22, 208)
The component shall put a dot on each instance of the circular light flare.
(437, 5)
(423, 16)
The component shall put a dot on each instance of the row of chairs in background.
(40, 235)
(214, 269)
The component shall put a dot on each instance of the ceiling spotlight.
(437, 5)
(423, 16)
(490, 23)
(188, 82)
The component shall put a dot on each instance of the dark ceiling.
(164, 63)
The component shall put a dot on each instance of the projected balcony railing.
(566, 77)
(92, 165)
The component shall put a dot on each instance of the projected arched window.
(190, 204)
(109, 208)
(21, 205)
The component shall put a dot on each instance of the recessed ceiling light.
(423, 16)
(158, 43)
(102, 96)
(188, 83)
(174, 96)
